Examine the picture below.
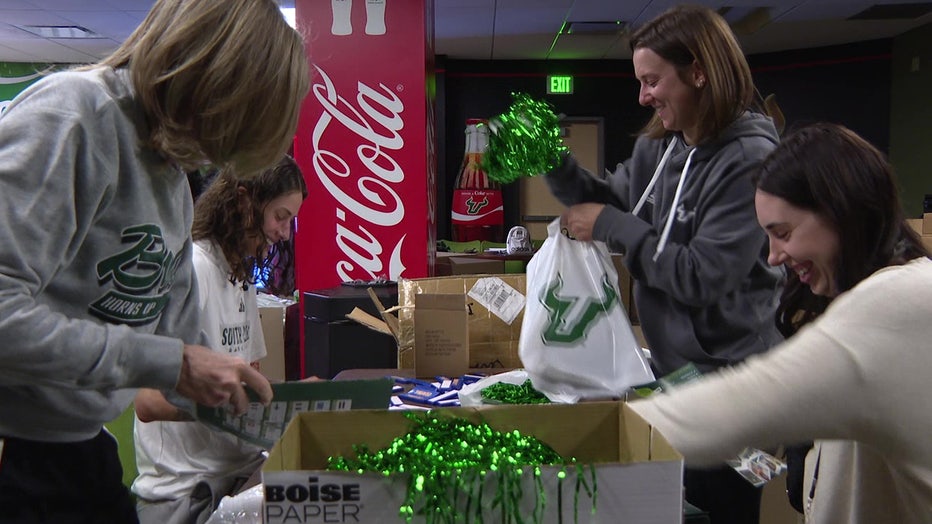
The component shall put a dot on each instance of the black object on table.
(333, 343)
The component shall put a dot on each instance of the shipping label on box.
(631, 473)
(441, 335)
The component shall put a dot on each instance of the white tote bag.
(576, 342)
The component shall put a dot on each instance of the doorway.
(583, 136)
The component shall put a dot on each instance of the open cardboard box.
(492, 342)
(638, 475)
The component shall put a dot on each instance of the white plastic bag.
(576, 342)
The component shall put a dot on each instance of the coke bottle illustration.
(342, 9)
(375, 17)
(477, 211)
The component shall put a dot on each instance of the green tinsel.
(504, 393)
(449, 458)
(525, 141)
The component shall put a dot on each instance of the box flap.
(646, 442)
(441, 335)
(369, 321)
(391, 321)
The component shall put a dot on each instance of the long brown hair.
(688, 34)
(230, 218)
(220, 81)
(831, 171)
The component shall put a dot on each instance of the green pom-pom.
(525, 141)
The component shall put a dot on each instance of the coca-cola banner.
(365, 142)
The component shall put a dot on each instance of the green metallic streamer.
(524, 141)
(504, 393)
(449, 458)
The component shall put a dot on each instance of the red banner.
(365, 142)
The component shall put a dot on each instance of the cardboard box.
(468, 265)
(638, 475)
(272, 365)
(441, 337)
(625, 287)
(493, 342)
(923, 226)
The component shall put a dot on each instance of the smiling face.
(801, 240)
(662, 88)
(276, 219)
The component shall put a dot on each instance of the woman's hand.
(579, 220)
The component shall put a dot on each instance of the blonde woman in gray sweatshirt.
(97, 290)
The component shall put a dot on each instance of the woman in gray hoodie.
(681, 210)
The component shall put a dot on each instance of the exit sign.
(559, 85)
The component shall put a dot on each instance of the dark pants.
(724, 494)
(63, 482)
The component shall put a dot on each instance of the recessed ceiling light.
(59, 31)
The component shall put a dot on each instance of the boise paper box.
(636, 475)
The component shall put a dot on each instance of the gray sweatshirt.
(96, 280)
(704, 294)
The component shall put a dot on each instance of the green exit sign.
(559, 85)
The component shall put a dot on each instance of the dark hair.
(831, 171)
(220, 215)
(690, 33)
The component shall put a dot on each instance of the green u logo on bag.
(571, 318)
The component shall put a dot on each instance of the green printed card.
(264, 425)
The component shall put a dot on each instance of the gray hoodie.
(95, 258)
(703, 291)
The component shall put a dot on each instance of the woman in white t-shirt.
(185, 467)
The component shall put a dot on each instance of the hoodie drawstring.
(676, 201)
(676, 196)
(653, 179)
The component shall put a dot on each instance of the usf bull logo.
(571, 318)
(142, 276)
(473, 207)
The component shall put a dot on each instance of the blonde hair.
(687, 34)
(221, 81)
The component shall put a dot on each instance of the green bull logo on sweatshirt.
(142, 276)
(571, 318)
